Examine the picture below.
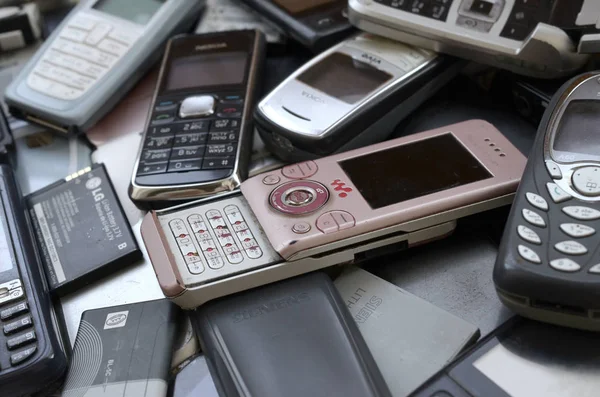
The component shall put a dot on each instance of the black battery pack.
(293, 338)
(81, 230)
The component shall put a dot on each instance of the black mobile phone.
(548, 267)
(199, 131)
(33, 346)
(522, 359)
(316, 24)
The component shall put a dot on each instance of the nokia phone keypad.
(192, 133)
(84, 52)
(567, 240)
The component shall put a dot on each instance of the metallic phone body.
(212, 248)
(548, 265)
(90, 62)
(171, 185)
(496, 37)
(349, 96)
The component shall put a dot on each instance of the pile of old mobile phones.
(333, 210)
(349, 96)
(316, 24)
(93, 58)
(526, 37)
(198, 135)
(522, 358)
(33, 351)
(548, 267)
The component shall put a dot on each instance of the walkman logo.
(116, 320)
(341, 187)
(312, 96)
(270, 307)
(211, 46)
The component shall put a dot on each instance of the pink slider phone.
(334, 210)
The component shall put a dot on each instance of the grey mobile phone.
(93, 58)
(548, 267)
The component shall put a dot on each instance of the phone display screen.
(528, 362)
(299, 6)
(579, 129)
(206, 70)
(138, 11)
(345, 78)
(414, 170)
(6, 260)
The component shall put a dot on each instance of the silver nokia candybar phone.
(351, 95)
(333, 210)
(198, 137)
(524, 36)
(93, 58)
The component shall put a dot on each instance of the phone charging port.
(557, 307)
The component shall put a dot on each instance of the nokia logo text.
(211, 46)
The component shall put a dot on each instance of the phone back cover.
(123, 351)
(294, 338)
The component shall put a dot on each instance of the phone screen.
(6, 260)
(410, 171)
(344, 77)
(138, 11)
(199, 71)
(578, 131)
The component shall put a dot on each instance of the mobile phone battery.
(81, 230)
(123, 351)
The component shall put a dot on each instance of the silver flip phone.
(351, 95)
